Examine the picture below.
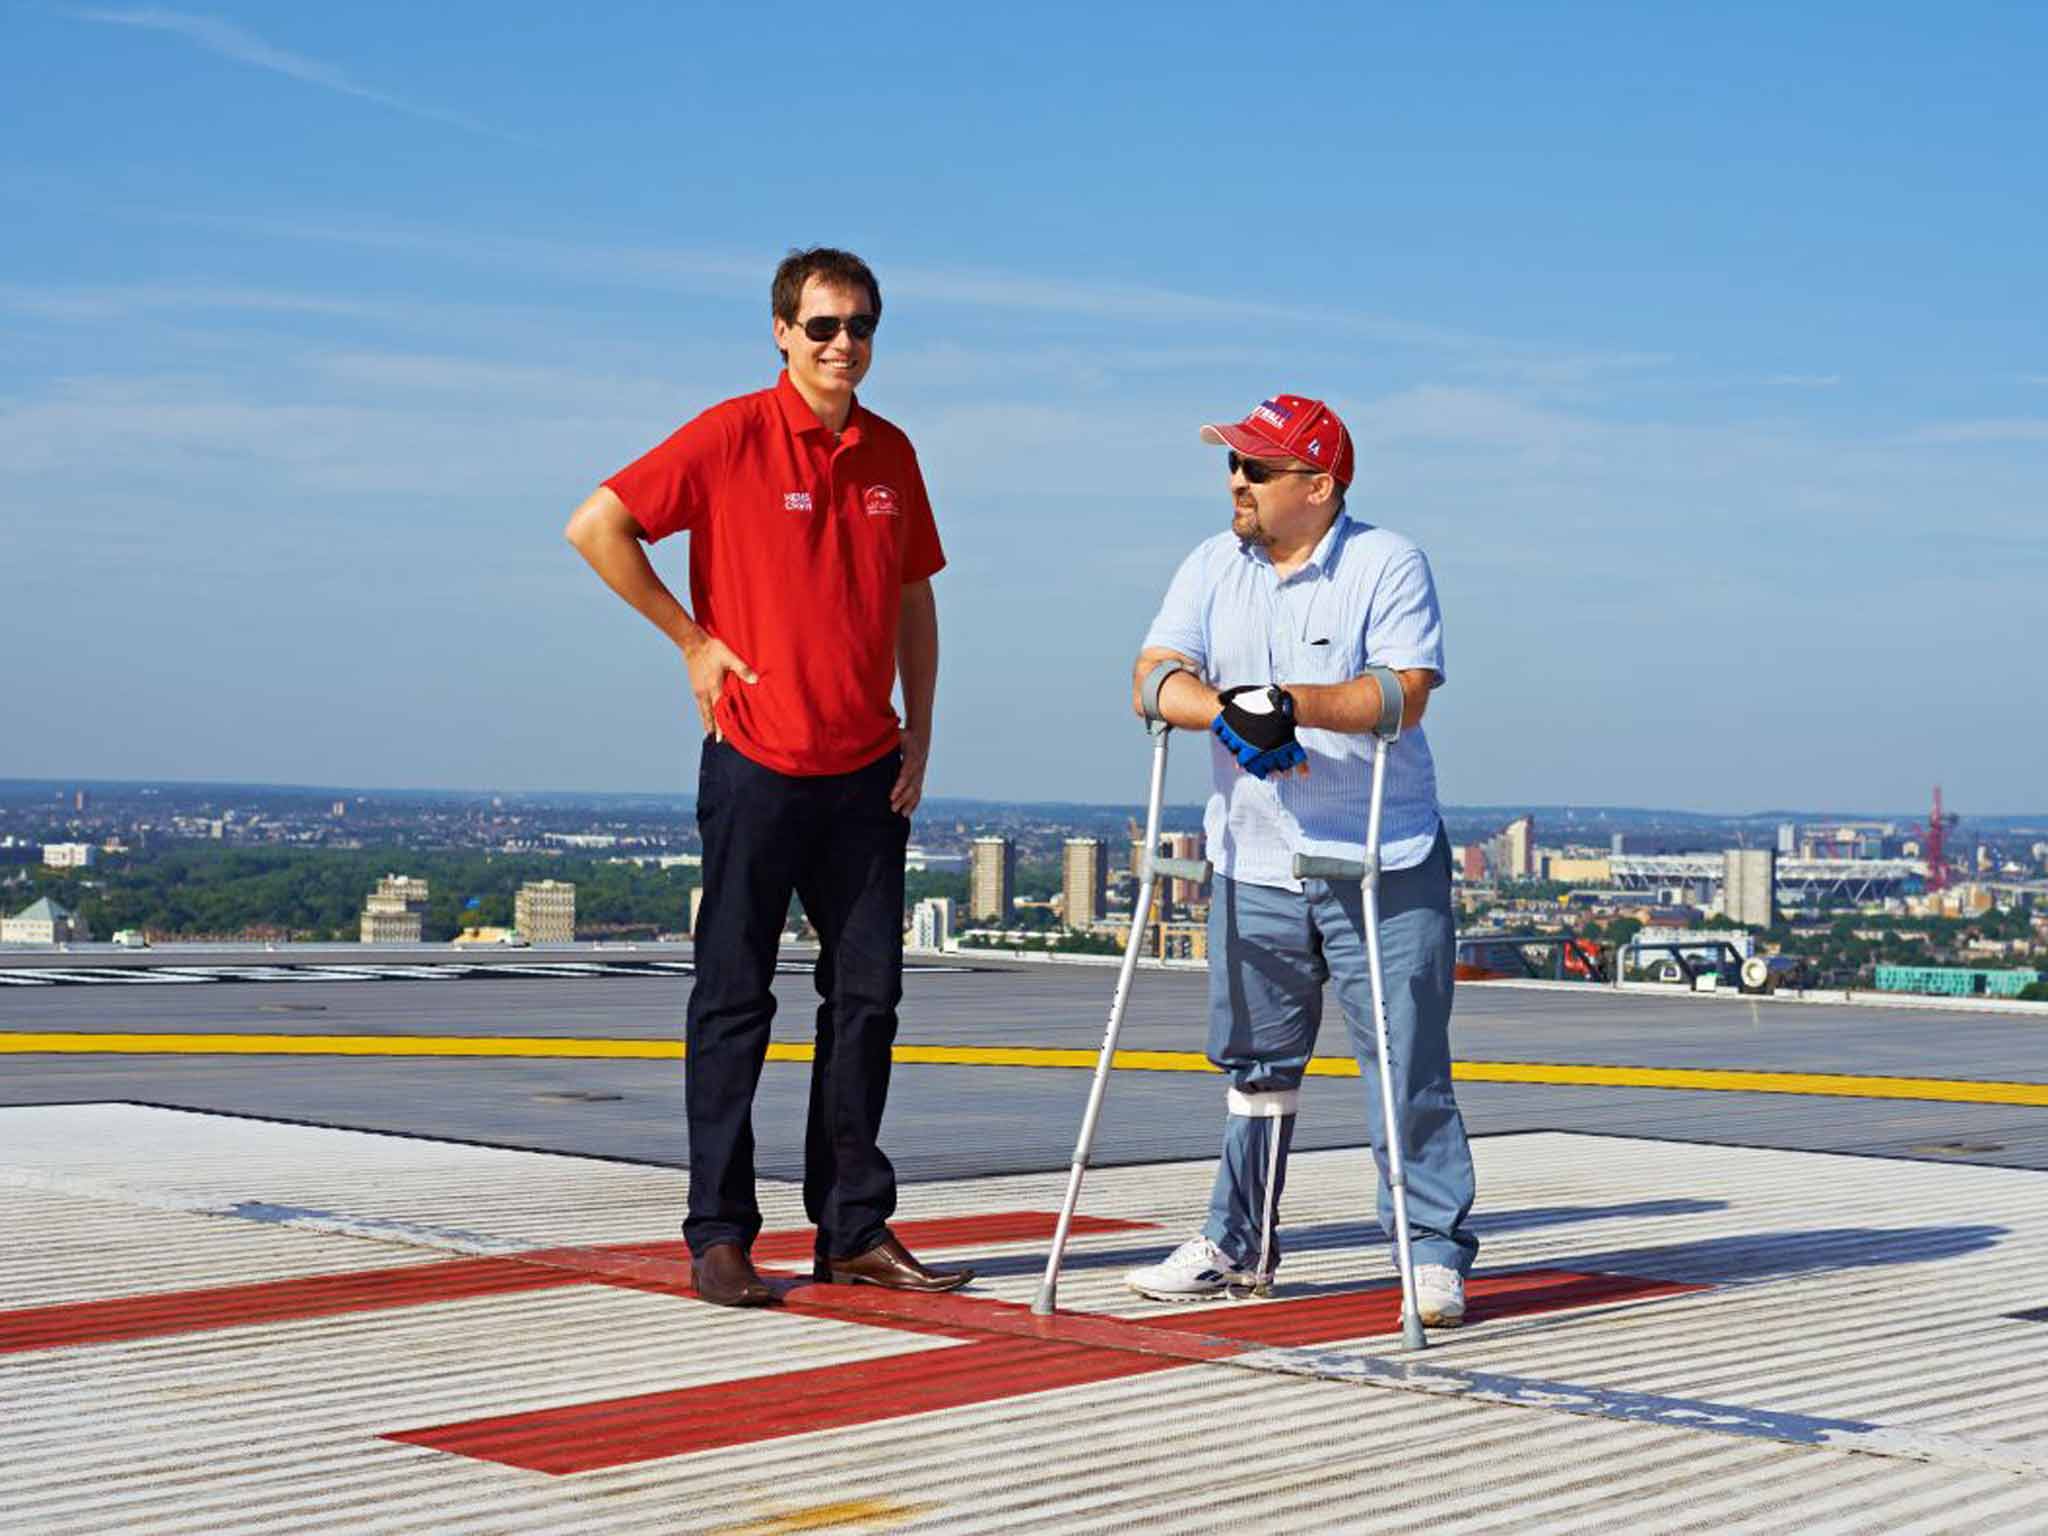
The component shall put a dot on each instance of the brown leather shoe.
(725, 1277)
(890, 1265)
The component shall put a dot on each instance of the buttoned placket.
(1290, 606)
(843, 441)
(845, 444)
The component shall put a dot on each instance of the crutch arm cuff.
(1148, 694)
(1393, 702)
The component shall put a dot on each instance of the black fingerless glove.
(1256, 724)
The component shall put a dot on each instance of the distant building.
(1137, 858)
(991, 879)
(395, 912)
(70, 855)
(1651, 844)
(81, 801)
(1954, 980)
(43, 922)
(931, 924)
(1474, 863)
(1568, 870)
(1788, 838)
(1512, 854)
(1084, 882)
(544, 912)
(1518, 842)
(1969, 899)
(1185, 892)
(1749, 886)
(1171, 940)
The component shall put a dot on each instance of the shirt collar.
(797, 412)
(1323, 558)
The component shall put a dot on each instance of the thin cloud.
(1436, 415)
(1009, 290)
(728, 272)
(2008, 429)
(1569, 372)
(242, 46)
(1807, 380)
(122, 302)
(2034, 378)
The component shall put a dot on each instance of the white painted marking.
(88, 978)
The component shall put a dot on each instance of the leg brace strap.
(1265, 1104)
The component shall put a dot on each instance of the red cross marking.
(1002, 1350)
(1013, 1354)
(653, 1266)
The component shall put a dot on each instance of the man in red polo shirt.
(812, 549)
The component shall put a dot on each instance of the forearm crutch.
(1367, 873)
(1047, 1300)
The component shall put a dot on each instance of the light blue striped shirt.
(1365, 597)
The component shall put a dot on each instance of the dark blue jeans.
(834, 843)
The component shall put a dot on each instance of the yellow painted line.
(1576, 1075)
(344, 1045)
(854, 1513)
(1825, 1084)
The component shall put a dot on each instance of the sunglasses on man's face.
(825, 327)
(1257, 472)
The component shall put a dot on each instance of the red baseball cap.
(1290, 427)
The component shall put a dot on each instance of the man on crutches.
(1306, 636)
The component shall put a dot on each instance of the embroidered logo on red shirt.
(880, 501)
(796, 501)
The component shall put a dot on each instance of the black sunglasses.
(1256, 472)
(825, 327)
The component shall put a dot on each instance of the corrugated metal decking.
(1786, 1295)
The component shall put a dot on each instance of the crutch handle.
(1313, 866)
(1182, 869)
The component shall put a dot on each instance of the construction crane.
(1935, 839)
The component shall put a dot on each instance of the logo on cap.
(1273, 414)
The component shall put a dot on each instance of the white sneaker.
(1439, 1295)
(1195, 1271)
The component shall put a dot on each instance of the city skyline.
(1694, 352)
(24, 790)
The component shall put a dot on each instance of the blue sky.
(1700, 346)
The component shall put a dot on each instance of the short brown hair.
(841, 268)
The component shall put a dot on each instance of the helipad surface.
(1693, 1313)
(217, 1323)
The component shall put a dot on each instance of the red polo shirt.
(800, 548)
